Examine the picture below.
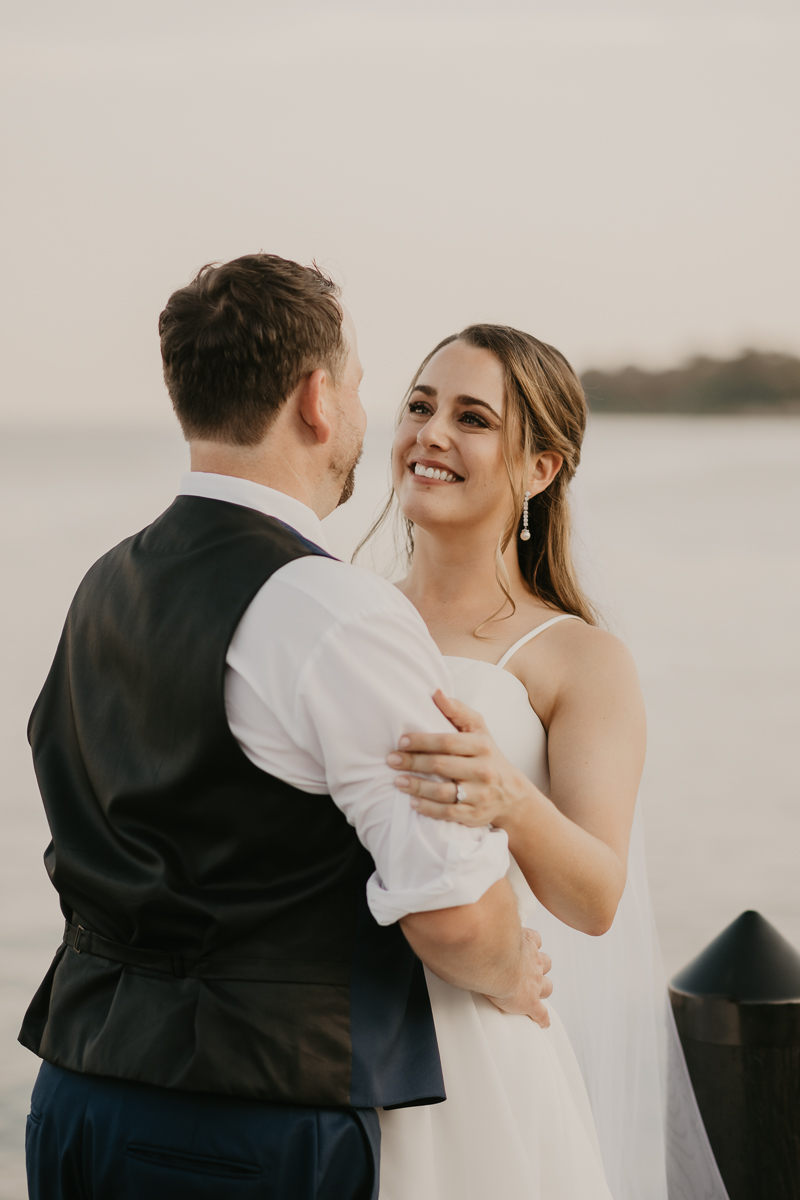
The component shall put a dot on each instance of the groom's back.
(225, 943)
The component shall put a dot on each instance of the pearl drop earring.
(525, 533)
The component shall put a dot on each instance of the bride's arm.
(572, 847)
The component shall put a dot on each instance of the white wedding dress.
(517, 1123)
(553, 1114)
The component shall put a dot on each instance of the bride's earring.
(525, 533)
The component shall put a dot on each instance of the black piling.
(737, 1008)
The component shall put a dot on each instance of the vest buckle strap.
(187, 966)
(85, 941)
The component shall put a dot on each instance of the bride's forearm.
(575, 875)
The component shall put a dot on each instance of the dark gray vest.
(218, 937)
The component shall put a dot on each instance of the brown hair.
(545, 411)
(238, 339)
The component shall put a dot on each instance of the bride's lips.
(429, 470)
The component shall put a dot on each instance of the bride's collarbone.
(461, 644)
(490, 641)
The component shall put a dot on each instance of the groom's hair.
(239, 338)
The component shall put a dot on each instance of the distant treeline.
(754, 382)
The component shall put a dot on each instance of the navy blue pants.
(104, 1139)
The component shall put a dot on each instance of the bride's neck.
(452, 573)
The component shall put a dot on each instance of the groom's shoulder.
(317, 605)
(345, 592)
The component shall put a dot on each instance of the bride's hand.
(492, 789)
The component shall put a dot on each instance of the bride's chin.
(433, 523)
(433, 508)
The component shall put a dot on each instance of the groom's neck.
(285, 469)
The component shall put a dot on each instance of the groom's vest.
(218, 937)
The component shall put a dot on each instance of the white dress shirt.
(328, 667)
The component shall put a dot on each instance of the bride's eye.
(471, 418)
(419, 407)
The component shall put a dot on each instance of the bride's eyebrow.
(427, 390)
(479, 403)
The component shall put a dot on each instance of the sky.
(620, 178)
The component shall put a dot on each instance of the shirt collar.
(255, 495)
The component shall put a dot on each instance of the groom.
(247, 896)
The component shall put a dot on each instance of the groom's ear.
(314, 405)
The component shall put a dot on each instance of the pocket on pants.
(160, 1173)
(33, 1137)
(31, 1129)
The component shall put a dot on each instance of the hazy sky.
(621, 179)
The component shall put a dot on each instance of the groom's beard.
(349, 483)
(345, 458)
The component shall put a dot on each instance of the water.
(689, 539)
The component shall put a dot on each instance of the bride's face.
(448, 468)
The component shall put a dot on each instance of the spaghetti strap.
(534, 633)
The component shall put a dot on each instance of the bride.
(488, 441)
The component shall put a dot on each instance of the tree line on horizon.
(754, 382)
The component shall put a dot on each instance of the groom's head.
(246, 340)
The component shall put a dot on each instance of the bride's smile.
(423, 468)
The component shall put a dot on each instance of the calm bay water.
(688, 535)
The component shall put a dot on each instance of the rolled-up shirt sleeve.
(369, 681)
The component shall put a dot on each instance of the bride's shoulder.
(590, 647)
(578, 634)
(573, 656)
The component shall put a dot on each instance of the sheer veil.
(611, 994)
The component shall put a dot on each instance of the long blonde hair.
(545, 410)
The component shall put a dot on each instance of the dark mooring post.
(737, 1008)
